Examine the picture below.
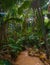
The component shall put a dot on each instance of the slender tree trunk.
(36, 5)
(43, 30)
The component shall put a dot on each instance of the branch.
(15, 19)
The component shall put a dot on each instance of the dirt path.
(24, 59)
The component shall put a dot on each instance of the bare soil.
(25, 59)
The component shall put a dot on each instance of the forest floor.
(25, 59)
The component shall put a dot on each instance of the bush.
(5, 62)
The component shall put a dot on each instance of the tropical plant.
(23, 25)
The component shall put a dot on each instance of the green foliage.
(23, 7)
(21, 13)
(43, 2)
(11, 41)
(5, 62)
(6, 4)
(28, 41)
(15, 48)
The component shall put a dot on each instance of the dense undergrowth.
(23, 27)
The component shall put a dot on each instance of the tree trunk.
(43, 30)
